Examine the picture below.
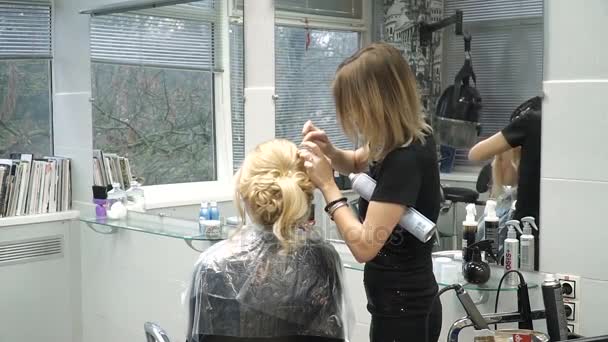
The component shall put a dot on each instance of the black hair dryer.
(476, 271)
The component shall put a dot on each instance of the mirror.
(502, 70)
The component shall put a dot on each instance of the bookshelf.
(161, 225)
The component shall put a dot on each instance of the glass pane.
(237, 84)
(303, 80)
(161, 119)
(25, 107)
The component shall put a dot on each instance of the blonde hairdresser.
(378, 106)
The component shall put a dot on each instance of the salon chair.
(451, 196)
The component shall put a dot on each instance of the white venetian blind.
(237, 83)
(185, 35)
(304, 77)
(352, 9)
(507, 52)
(25, 29)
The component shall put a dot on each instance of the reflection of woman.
(377, 102)
(504, 190)
(272, 281)
(523, 132)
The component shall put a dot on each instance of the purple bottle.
(100, 198)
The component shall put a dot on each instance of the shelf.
(490, 286)
(161, 225)
(41, 218)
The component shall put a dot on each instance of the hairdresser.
(377, 104)
(523, 132)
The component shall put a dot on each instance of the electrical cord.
(428, 314)
(522, 281)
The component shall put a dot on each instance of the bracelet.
(337, 206)
(332, 203)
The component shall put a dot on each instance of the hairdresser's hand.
(317, 165)
(312, 133)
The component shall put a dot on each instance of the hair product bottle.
(527, 244)
(557, 324)
(469, 229)
(512, 252)
(413, 221)
(491, 222)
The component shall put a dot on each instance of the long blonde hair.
(275, 188)
(377, 99)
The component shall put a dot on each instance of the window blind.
(186, 36)
(507, 54)
(237, 83)
(25, 29)
(377, 21)
(352, 9)
(484, 10)
(304, 77)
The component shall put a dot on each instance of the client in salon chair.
(276, 279)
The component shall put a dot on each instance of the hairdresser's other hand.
(317, 165)
(312, 133)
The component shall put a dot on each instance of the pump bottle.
(512, 252)
(469, 229)
(491, 222)
(413, 221)
(527, 244)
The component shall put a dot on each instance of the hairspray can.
(557, 324)
(413, 221)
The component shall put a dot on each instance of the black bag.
(458, 111)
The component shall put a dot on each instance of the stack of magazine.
(31, 186)
(110, 168)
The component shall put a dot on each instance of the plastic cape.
(249, 286)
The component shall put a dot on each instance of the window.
(237, 84)
(25, 77)
(153, 82)
(507, 52)
(352, 9)
(303, 79)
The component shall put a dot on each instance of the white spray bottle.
(512, 252)
(413, 221)
(527, 244)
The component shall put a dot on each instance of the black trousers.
(411, 329)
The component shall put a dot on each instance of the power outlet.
(573, 328)
(569, 285)
(570, 311)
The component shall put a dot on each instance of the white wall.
(574, 181)
(36, 298)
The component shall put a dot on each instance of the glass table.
(490, 286)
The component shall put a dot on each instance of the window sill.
(42, 218)
(178, 195)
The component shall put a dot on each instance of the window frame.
(49, 66)
(180, 194)
(183, 194)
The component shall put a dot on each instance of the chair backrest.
(154, 333)
(212, 338)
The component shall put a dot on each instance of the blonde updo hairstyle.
(275, 189)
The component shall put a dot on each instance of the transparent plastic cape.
(249, 286)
